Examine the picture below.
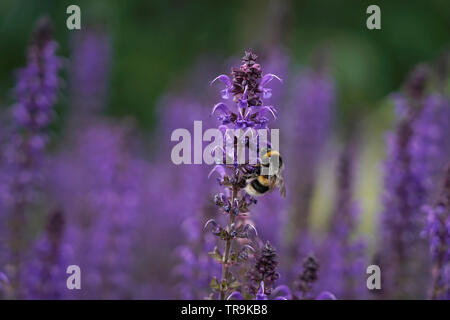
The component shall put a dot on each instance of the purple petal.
(221, 107)
(219, 168)
(225, 93)
(210, 222)
(235, 295)
(223, 128)
(271, 109)
(224, 79)
(247, 246)
(251, 227)
(284, 291)
(267, 93)
(260, 295)
(243, 103)
(267, 78)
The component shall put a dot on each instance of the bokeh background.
(139, 69)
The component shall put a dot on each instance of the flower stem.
(226, 256)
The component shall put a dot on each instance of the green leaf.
(223, 285)
(224, 235)
(216, 255)
(214, 284)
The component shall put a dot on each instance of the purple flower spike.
(20, 177)
(438, 232)
(416, 152)
(246, 86)
(264, 270)
(90, 69)
(248, 89)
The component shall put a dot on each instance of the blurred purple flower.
(306, 283)
(45, 271)
(342, 254)
(307, 277)
(408, 170)
(430, 146)
(310, 110)
(272, 207)
(89, 71)
(35, 93)
(184, 194)
(263, 271)
(308, 121)
(100, 183)
(438, 232)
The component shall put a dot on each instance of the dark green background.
(155, 41)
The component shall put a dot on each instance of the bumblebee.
(267, 176)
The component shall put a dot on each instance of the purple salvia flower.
(187, 199)
(307, 281)
(195, 267)
(184, 193)
(90, 68)
(344, 259)
(438, 231)
(403, 196)
(430, 146)
(343, 220)
(45, 271)
(311, 107)
(247, 86)
(100, 185)
(37, 84)
(35, 93)
(307, 277)
(263, 271)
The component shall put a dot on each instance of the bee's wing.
(281, 186)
